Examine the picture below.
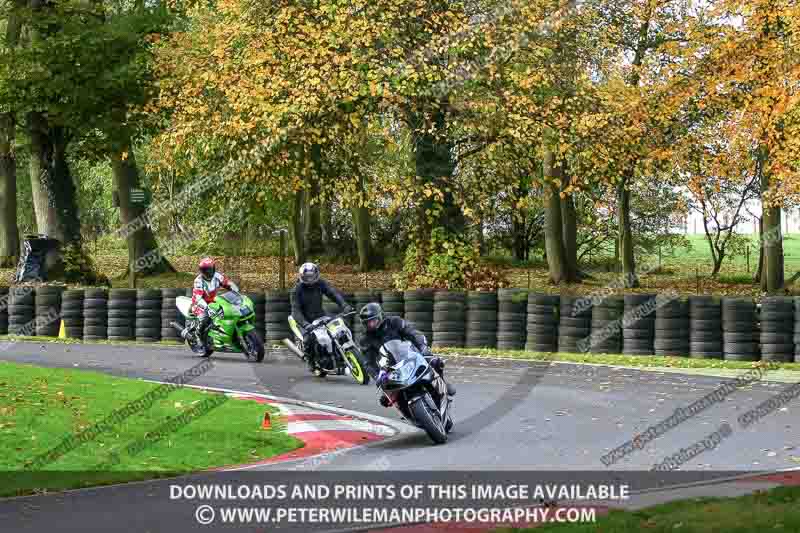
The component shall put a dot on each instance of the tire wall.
(95, 314)
(512, 307)
(736, 329)
(449, 319)
(481, 320)
(418, 310)
(542, 323)
(705, 327)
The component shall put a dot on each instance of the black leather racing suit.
(307, 307)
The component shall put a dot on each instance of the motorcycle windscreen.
(237, 302)
(184, 305)
(407, 360)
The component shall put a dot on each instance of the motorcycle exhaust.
(293, 348)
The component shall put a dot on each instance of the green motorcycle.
(233, 326)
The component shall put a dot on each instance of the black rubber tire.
(738, 326)
(415, 306)
(787, 357)
(768, 337)
(544, 320)
(449, 296)
(534, 309)
(741, 347)
(769, 348)
(682, 345)
(705, 336)
(740, 336)
(477, 315)
(541, 348)
(634, 334)
(511, 328)
(94, 330)
(541, 328)
(147, 313)
(703, 347)
(73, 294)
(44, 300)
(776, 327)
(570, 322)
(706, 325)
(512, 337)
(741, 356)
(510, 345)
(570, 331)
(149, 323)
(95, 321)
(486, 325)
(148, 304)
(122, 304)
(512, 295)
(511, 317)
(550, 300)
(148, 294)
(153, 332)
(419, 316)
(509, 307)
(95, 312)
(124, 322)
(418, 295)
(599, 313)
(449, 326)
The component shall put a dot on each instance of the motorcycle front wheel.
(253, 347)
(356, 369)
(429, 421)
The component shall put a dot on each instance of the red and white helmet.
(207, 268)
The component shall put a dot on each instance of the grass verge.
(40, 407)
(774, 510)
(614, 359)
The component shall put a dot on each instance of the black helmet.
(309, 273)
(371, 316)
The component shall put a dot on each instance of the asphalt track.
(509, 415)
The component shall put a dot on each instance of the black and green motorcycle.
(233, 326)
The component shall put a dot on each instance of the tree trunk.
(9, 232)
(554, 237)
(772, 243)
(297, 228)
(126, 177)
(435, 166)
(759, 273)
(569, 219)
(326, 213)
(626, 236)
(314, 242)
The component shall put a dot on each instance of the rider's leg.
(205, 325)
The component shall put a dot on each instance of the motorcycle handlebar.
(325, 322)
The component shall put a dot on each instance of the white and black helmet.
(309, 273)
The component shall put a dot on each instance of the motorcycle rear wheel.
(429, 421)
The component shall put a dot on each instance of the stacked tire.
(332, 309)
(170, 313)
(449, 319)
(481, 320)
(72, 312)
(21, 311)
(360, 299)
(418, 306)
(258, 304)
(277, 308)
(574, 324)
(739, 335)
(671, 326)
(121, 314)
(777, 329)
(606, 336)
(705, 327)
(148, 315)
(638, 326)
(511, 319)
(4, 297)
(542, 323)
(95, 314)
(48, 310)
(392, 303)
(796, 329)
